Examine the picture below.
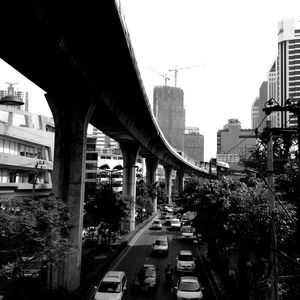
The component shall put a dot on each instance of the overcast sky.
(229, 44)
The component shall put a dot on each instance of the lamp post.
(110, 171)
(35, 173)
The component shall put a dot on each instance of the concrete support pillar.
(168, 183)
(180, 181)
(130, 152)
(71, 121)
(151, 167)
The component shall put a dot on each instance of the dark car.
(147, 280)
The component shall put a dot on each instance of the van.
(160, 246)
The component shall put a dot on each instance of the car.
(175, 224)
(187, 232)
(184, 219)
(113, 286)
(160, 246)
(189, 287)
(156, 225)
(147, 279)
(168, 220)
(185, 261)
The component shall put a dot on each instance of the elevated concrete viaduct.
(80, 54)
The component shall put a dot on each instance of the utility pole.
(295, 109)
(273, 246)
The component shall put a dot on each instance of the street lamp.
(110, 171)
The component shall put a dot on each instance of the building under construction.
(169, 111)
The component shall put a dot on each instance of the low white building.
(26, 151)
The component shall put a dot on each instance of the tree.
(34, 226)
(145, 194)
(232, 214)
(109, 208)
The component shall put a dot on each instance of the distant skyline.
(235, 42)
(229, 44)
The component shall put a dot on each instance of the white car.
(161, 246)
(175, 224)
(188, 287)
(113, 286)
(156, 225)
(187, 232)
(185, 261)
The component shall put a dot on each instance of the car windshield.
(186, 229)
(156, 222)
(148, 273)
(185, 257)
(162, 243)
(109, 287)
(189, 286)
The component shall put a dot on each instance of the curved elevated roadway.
(82, 52)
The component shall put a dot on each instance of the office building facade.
(288, 68)
(234, 143)
(255, 113)
(194, 144)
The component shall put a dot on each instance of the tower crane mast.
(176, 69)
(164, 76)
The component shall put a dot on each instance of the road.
(140, 253)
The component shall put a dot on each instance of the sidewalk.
(218, 289)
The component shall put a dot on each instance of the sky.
(224, 47)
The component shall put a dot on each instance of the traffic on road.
(160, 264)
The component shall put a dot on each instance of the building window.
(4, 176)
(18, 120)
(3, 117)
(90, 166)
(90, 175)
(92, 156)
(6, 146)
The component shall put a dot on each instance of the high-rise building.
(20, 94)
(274, 117)
(288, 68)
(233, 143)
(194, 144)
(255, 113)
(169, 111)
(263, 99)
(103, 141)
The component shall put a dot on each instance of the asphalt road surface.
(140, 253)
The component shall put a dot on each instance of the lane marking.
(130, 244)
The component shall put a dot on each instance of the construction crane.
(176, 69)
(164, 76)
